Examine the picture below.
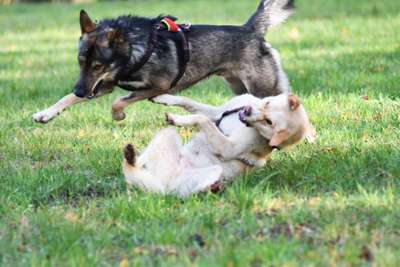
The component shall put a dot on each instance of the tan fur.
(279, 138)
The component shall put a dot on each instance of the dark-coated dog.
(108, 50)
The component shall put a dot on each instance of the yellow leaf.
(71, 217)
(124, 263)
(294, 34)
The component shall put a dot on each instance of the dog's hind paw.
(165, 99)
(169, 118)
(130, 155)
(118, 115)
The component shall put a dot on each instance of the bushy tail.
(270, 13)
(130, 155)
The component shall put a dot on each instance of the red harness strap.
(171, 25)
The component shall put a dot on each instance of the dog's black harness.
(218, 123)
(167, 24)
(226, 114)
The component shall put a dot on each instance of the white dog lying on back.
(232, 139)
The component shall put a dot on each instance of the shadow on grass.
(333, 169)
(339, 169)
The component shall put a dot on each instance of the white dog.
(232, 139)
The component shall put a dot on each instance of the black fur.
(237, 53)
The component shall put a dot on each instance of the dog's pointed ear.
(115, 35)
(279, 138)
(87, 25)
(294, 102)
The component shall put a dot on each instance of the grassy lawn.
(63, 201)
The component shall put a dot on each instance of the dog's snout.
(80, 89)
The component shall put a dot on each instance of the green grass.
(63, 201)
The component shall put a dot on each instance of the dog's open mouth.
(95, 90)
(98, 86)
(244, 114)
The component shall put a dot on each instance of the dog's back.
(240, 53)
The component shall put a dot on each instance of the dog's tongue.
(242, 116)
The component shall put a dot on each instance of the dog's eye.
(269, 122)
(97, 67)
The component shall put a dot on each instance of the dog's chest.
(231, 125)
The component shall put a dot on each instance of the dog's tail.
(130, 155)
(270, 13)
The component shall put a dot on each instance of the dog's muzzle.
(97, 87)
(95, 90)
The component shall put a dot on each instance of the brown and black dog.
(135, 54)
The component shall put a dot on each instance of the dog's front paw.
(167, 100)
(183, 121)
(118, 115)
(44, 116)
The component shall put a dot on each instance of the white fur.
(53, 111)
(214, 154)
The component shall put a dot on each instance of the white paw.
(190, 120)
(177, 120)
(171, 119)
(44, 116)
(168, 100)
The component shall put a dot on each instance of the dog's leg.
(236, 85)
(189, 105)
(120, 104)
(193, 181)
(158, 163)
(53, 111)
(164, 151)
(226, 147)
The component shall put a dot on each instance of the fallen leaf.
(81, 133)
(366, 98)
(185, 133)
(330, 149)
(313, 202)
(124, 263)
(71, 217)
(294, 34)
